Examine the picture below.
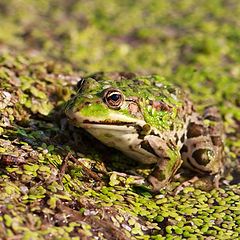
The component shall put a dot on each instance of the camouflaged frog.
(150, 121)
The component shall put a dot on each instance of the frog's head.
(105, 102)
(122, 99)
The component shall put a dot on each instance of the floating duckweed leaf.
(37, 93)
(36, 193)
(8, 220)
(113, 180)
(52, 202)
(43, 107)
(26, 82)
(29, 235)
(12, 189)
(2, 150)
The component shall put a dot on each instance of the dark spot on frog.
(216, 140)
(160, 106)
(145, 145)
(134, 110)
(202, 156)
(172, 127)
(194, 167)
(171, 144)
(160, 175)
(195, 130)
(184, 149)
(177, 138)
(183, 138)
(139, 131)
(145, 130)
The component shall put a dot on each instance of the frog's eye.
(113, 98)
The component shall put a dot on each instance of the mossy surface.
(56, 181)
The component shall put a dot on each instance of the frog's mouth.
(113, 121)
(107, 123)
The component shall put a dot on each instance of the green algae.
(45, 47)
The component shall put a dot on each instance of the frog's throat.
(122, 137)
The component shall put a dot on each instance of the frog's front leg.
(168, 163)
(203, 148)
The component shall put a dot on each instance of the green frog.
(150, 121)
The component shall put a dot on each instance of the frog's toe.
(155, 183)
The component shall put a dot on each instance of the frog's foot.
(164, 170)
(155, 183)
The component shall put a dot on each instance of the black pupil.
(115, 97)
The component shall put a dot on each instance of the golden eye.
(113, 98)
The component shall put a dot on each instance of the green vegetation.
(55, 183)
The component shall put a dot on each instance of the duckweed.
(46, 47)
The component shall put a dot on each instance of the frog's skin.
(150, 121)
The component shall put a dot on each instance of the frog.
(151, 121)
